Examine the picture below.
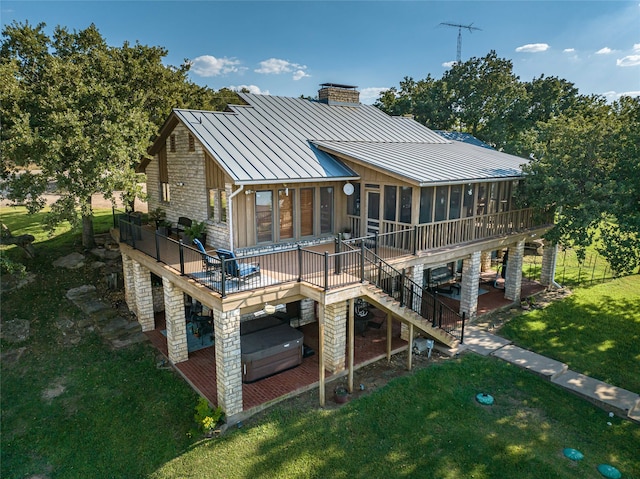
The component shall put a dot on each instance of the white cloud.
(533, 48)
(449, 64)
(252, 89)
(569, 50)
(604, 51)
(276, 66)
(636, 47)
(371, 94)
(612, 95)
(210, 66)
(299, 74)
(628, 61)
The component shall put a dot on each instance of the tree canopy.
(586, 158)
(81, 113)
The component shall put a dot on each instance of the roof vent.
(337, 94)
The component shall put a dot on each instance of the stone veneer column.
(143, 296)
(513, 277)
(485, 261)
(226, 327)
(469, 285)
(549, 259)
(176, 322)
(307, 311)
(129, 283)
(335, 336)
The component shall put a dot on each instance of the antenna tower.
(469, 27)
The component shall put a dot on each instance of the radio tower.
(469, 27)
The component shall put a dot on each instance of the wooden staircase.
(382, 300)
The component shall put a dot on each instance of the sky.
(289, 48)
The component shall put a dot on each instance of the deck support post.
(409, 347)
(351, 319)
(321, 353)
(389, 331)
(175, 322)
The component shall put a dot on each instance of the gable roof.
(280, 139)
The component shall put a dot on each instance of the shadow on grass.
(428, 424)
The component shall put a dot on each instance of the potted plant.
(198, 229)
(340, 395)
(164, 227)
(157, 216)
(346, 233)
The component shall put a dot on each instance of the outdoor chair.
(209, 263)
(235, 269)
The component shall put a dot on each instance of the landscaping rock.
(15, 330)
(71, 261)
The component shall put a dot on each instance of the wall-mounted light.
(248, 192)
(179, 183)
(269, 308)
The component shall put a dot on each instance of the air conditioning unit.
(420, 345)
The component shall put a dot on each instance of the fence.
(570, 270)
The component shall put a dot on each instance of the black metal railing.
(411, 295)
(325, 270)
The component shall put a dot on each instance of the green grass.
(570, 271)
(596, 331)
(120, 416)
(427, 424)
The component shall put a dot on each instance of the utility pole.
(469, 27)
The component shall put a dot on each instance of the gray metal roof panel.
(271, 140)
(426, 163)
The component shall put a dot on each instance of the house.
(279, 181)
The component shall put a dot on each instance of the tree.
(488, 99)
(80, 113)
(586, 172)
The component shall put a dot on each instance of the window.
(163, 174)
(467, 201)
(192, 143)
(326, 209)
(306, 211)
(218, 205)
(223, 206)
(442, 197)
(482, 199)
(353, 201)
(172, 143)
(165, 192)
(264, 216)
(455, 201)
(285, 210)
(426, 204)
(406, 193)
(390, 202)
(504, 196)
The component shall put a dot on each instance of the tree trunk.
(23, 241)
(88, 239)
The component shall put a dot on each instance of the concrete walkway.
(611, 398)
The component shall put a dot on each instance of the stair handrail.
(413, 290)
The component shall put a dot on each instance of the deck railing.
(325, 270)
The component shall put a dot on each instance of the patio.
(200, 372)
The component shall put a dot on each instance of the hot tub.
(270, 349)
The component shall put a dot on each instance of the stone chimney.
(336, 94)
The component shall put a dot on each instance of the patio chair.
(209, 263)
(234, 268)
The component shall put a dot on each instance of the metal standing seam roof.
(277, 139)
(427, 164)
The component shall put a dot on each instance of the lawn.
(117, 415)
(596, 331)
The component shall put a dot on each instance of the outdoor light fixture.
(269, 308)
(248, 192)
(348, 189)
(179, 183)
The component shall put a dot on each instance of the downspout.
(230, 205)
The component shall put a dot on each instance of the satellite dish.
(348, 189)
